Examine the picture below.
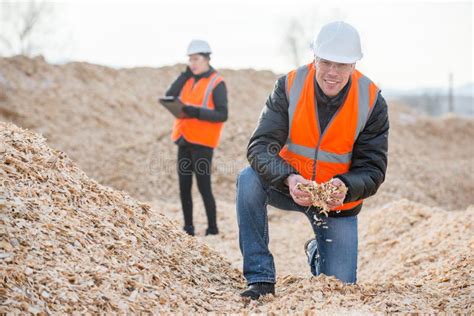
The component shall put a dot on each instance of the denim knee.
(249, 179)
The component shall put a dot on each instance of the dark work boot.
(311, 251)
(255, 290)
(189, 230)
(308, 248)
(212, 230)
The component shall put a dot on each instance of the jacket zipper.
(321, 135)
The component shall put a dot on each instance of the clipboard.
(174, 105)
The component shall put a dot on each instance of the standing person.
(324, 121)
(204, 92)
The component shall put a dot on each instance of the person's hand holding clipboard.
(174, 105)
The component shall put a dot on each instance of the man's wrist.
(346, 198)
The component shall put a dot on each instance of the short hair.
(206, 55)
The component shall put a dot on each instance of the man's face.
(331, 76)
(198, 64)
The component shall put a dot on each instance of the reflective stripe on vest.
(209, 89)
(309, 152)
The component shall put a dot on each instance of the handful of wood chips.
(321, 194)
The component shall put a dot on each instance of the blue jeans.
(334, 253)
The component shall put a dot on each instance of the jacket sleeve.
(219, 113)
(269, 137)
(369, 156)
(175, 88)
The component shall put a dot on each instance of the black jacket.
(369, 155)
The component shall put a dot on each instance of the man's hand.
(300, 197)
(337, 198)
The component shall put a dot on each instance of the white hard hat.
(198, 46)
(338, 42)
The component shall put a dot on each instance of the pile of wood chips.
(69, 244)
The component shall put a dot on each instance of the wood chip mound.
(321, 194)
(69, 244)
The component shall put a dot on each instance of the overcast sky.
(405, 45)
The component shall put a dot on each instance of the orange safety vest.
(199, 94)
(321, 157)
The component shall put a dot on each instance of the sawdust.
(70, 244)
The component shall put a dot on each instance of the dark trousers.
(196, 159)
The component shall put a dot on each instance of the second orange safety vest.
(199, 94)
(321, 156)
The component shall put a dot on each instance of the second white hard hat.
(198, 46)
(338, 42)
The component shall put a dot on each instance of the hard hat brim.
(340, 59)
(199, 52)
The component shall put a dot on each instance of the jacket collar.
(206, 74)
